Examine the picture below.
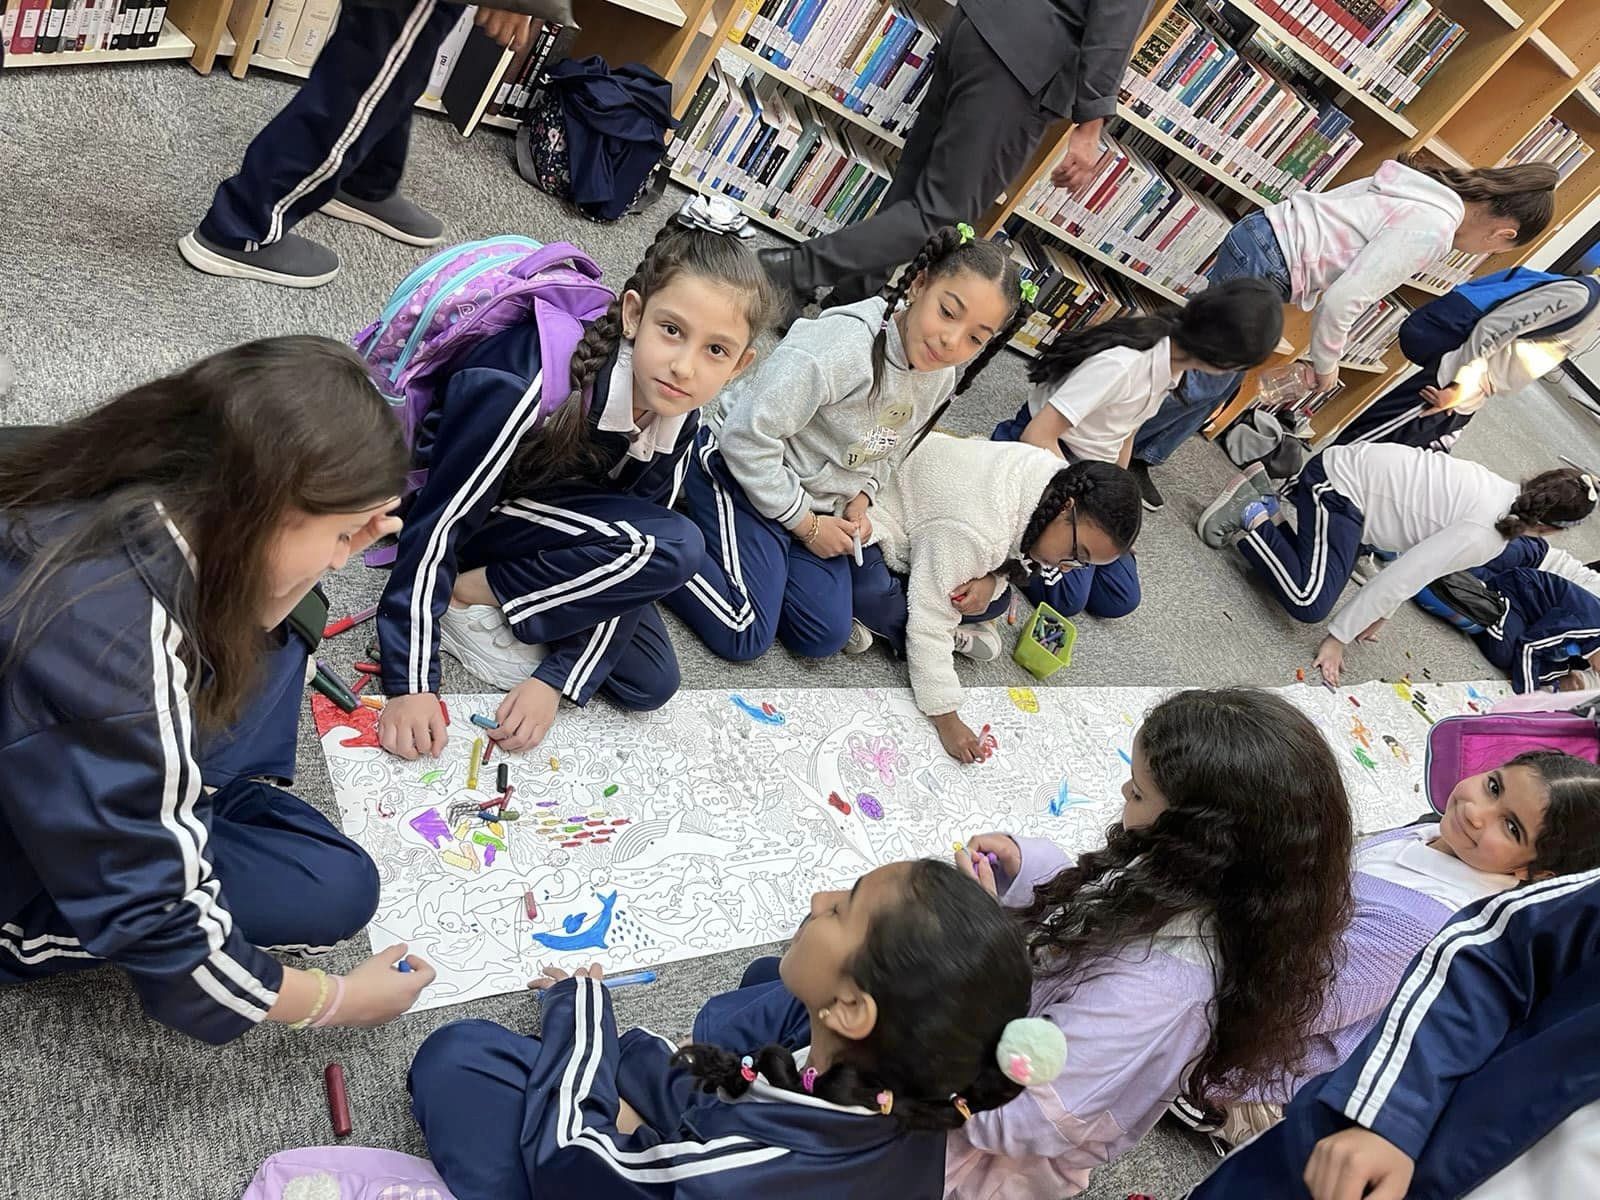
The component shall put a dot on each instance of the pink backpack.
(1466, 745)
(346, 1173)
(463, 295)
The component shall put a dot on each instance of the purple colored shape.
(869, 806)
(431, 826)
(488, 856)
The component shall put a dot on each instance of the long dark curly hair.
(1256, 842)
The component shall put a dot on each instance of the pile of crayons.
(1050, 633)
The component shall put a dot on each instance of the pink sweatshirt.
(1354, 244)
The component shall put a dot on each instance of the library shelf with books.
(816, 95)
(1504, 84)
(36, 32)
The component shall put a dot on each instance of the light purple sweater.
(1132, 1030)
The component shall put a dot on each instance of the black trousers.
(975, 128)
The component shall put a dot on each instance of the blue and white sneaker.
(1231, 514)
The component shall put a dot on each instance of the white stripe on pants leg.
(398, 53)
(1300, 595)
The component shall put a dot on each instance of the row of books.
(508, 84)
(1387, 48)
(1156, 223)
(296, 30)
(1235, 103)
(873, 58)
(75, 26)
(1072, 294)
(1375, 331)
(748, 137)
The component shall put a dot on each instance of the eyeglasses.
(1076, 559)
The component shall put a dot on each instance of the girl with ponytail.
(543, 533)
(1186, 956)
(1438, 513)
(781, 487)
(1094, 388)
(1334, 253)
(959, 520)
(897, 1014)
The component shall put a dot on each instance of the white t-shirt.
(1411, 863)
(1436, 510)
(1108, 396)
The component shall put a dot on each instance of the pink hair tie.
(747, 1068)
(808, 1078)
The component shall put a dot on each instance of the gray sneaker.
(395, 218)
(860, 640)
(291, 261)
(981, 643)
(1250, 484)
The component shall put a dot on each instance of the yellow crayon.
(473, 763)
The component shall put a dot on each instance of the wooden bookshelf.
(1099, 256)
(173, 43)
(194, 30)
(819, 98)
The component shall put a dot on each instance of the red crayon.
(338, 1100)
(343, 623)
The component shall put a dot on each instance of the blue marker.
(629, 980)
(483, 722)
(403, 966)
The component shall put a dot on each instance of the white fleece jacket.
(1351, 245)
(956, 509)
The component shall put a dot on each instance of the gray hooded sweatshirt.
(798, 432)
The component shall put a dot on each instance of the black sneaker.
(395, 217)
(291, 261)
(1149, 494)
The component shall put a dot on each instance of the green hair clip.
(966, 231)
(1030, 291)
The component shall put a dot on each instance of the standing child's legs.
(1250, 250)
(734, 598)
(350, 121)
(576, 573)
(1307, 573)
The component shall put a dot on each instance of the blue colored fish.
(576, 936)
(757, 712)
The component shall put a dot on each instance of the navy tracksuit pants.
(879, 600)
(347, 127)
(579, 573)
(755, 581)
(1307, 571)
(1400, 415)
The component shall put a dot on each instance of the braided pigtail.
(1559, 499)
(1103, 493)
(691, 243)
(939, 246)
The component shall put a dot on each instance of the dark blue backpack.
(1436, 329)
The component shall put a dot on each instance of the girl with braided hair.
(960, 511)
(535, 548)
(1094, 388)
(1438, 513)
(897, 1014)
(782, 484)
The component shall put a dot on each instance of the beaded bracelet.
(322, 999)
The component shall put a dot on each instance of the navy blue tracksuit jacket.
(1487, 1046)
(464, 517)
(1549, 622)
(105, 830)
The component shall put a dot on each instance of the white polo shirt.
(1108, 396)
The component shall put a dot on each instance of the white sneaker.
(860, 640)
(1366, 569)
(480, 639)
(981, 643)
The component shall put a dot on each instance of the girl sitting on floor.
(1093, 389)
(896, 1015)
(543, 534)
(161, 553)
(1191, 951)
(1535, 817)
(1437, 512)
(961, 517)
(782, 487)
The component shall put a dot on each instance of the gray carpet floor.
(101, 170)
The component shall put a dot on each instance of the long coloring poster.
(638, 839)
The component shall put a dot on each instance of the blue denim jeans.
(1250, 250)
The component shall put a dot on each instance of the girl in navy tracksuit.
(1480, 1081)
(1492, 336)
(144, 548)
(535, 548)
(1093, 390)
(782, 486)
(896, 1013)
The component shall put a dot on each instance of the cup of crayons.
(1046, 643)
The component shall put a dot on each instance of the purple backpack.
(1469, 744)
(465, 294)
(346, 1173)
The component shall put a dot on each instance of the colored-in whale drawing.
(577, 935)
